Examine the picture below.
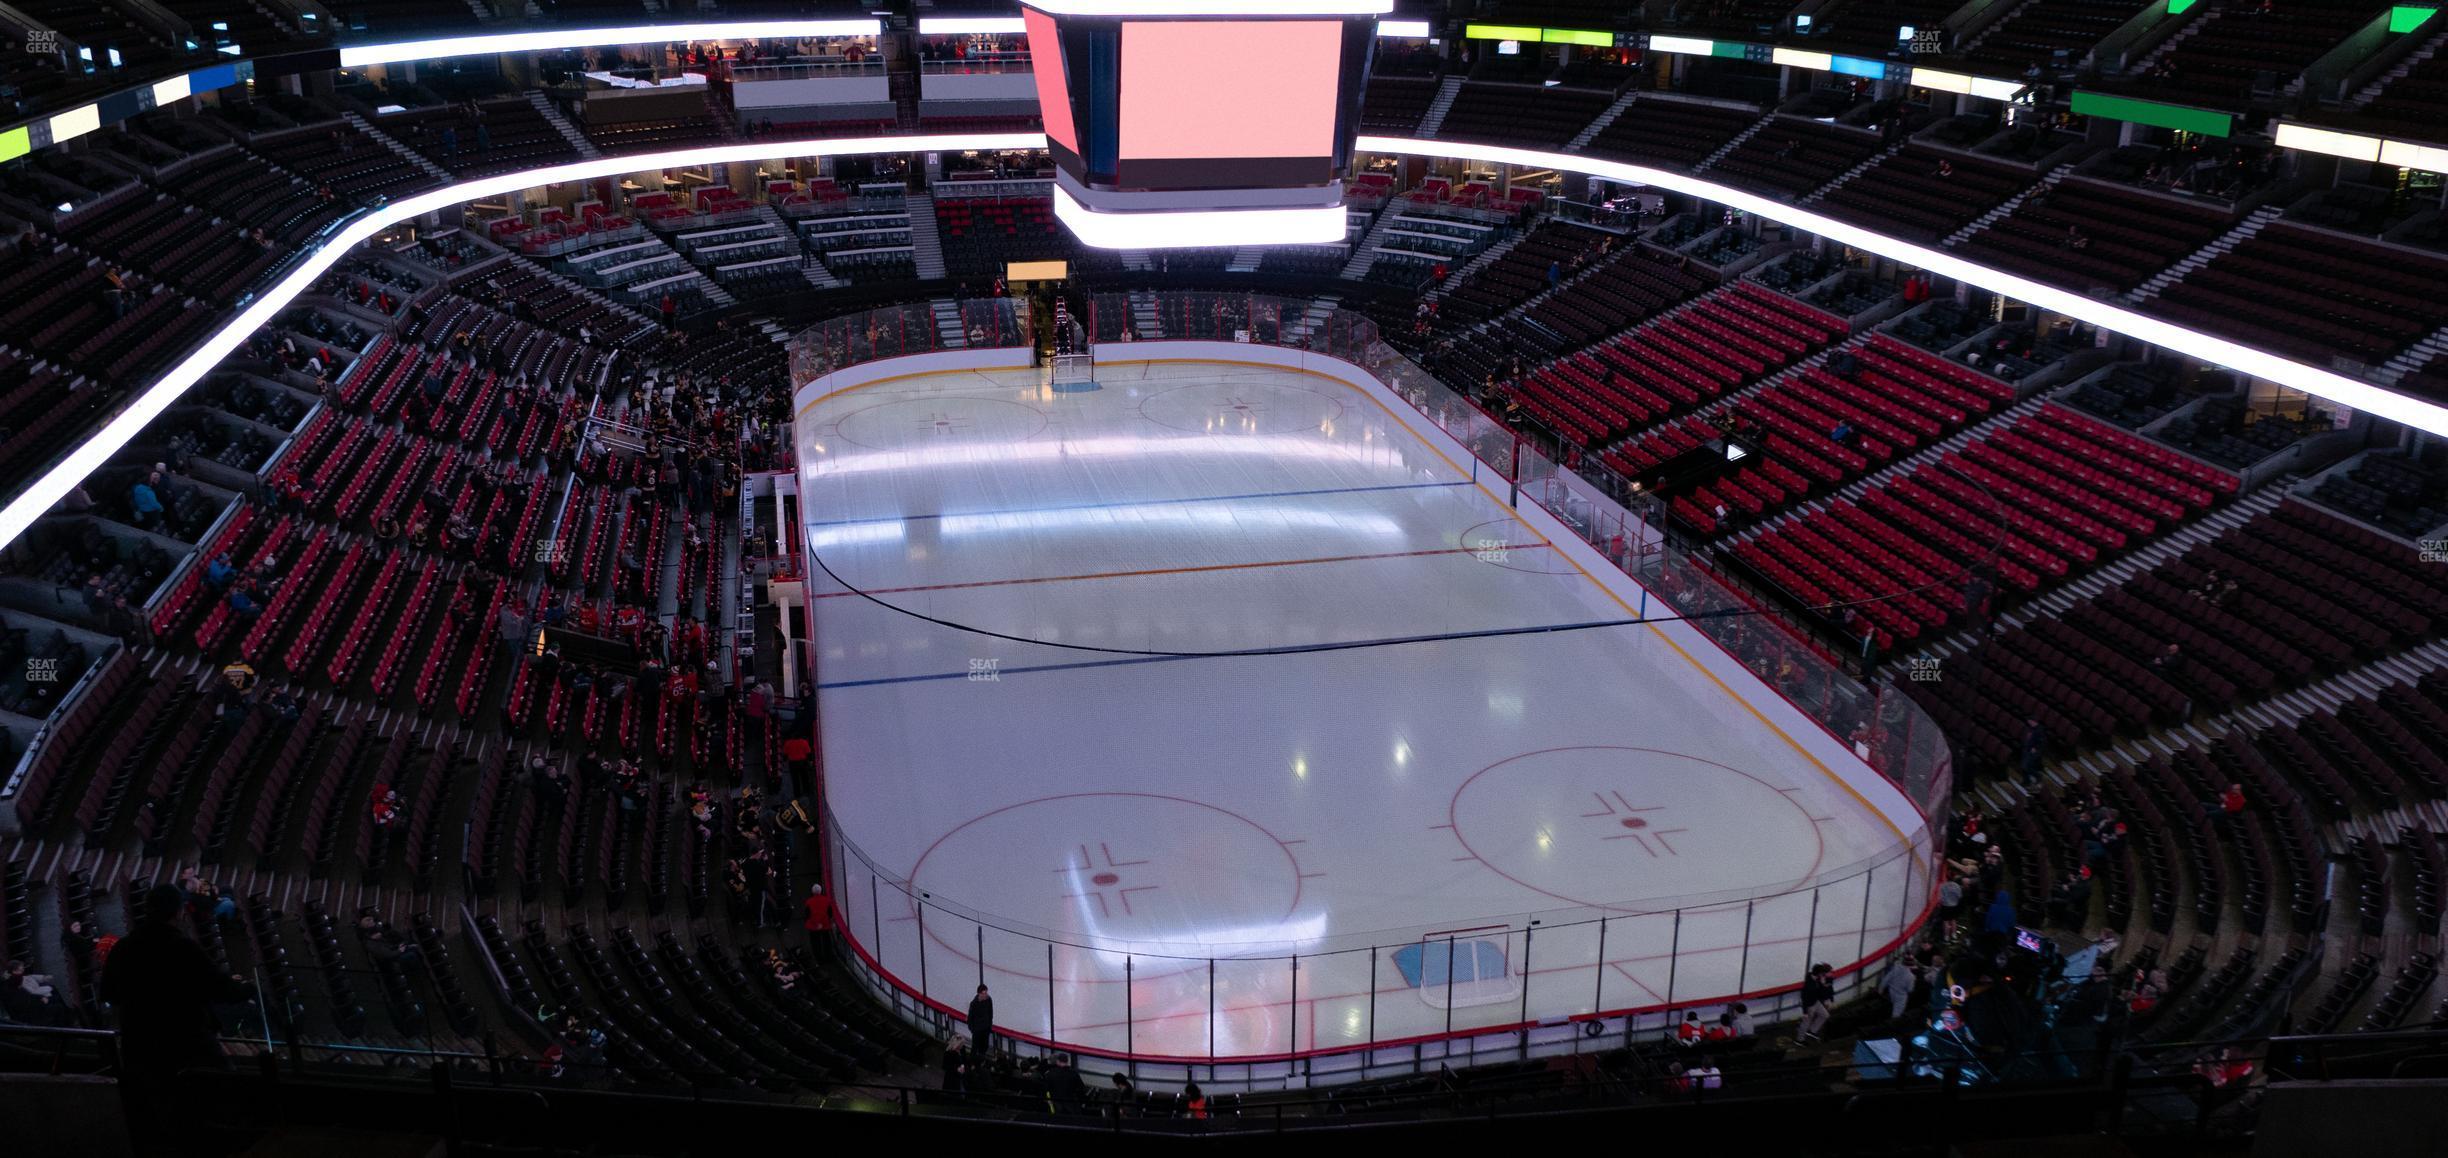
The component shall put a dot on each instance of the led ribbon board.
(2294, 375)
(1200, 228)
(54, 484)
(148, 404)
(549, 40)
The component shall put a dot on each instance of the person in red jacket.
(819, 921)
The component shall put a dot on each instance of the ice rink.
(1249, 855)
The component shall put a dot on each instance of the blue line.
(1294, 649)
(1147, 503)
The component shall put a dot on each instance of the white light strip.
(75, 123)
(1684, 45)
(1941, 80)
(2408, 155)
(41, 494)
(2312, 140)
(1956, 82)
(1411, 29)
(1192, 228)
(171, 90)
(2211, 348)
(968, 25)
(1799, 58)
(1213, 7)
(1996, 90)
(353, 56)
(2357, 147)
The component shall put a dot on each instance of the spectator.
(145, 503)
(2001, 919)
(1691, 1032)
(819, 922)
(981, 1021)
(2035, 749)
(2071, 906)
(1064, 1086)
(1194, 1102)
(1818, 1002)
(513, 625)
(385, 807)
(31, 998)
(2229, 807)
(1898, 986)
(77, 943)
(955, 1065)
(162, 986)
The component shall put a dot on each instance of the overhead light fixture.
(1197, 228)
(971, 25)
(353, 56)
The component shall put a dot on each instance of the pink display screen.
(1224, 89)
(1053, 94)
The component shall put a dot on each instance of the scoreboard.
(1201, 122)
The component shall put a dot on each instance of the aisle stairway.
(926, 238)
(569, 132)
(1434, 118)
(2243, 232)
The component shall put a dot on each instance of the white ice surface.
(1335, 804)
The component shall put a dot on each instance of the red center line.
(1198, 569)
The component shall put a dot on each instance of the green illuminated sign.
(2404, 18)
(2140, 112)
(1569, 36)
(1537, 35)
(2178, 7)
(15, 143)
